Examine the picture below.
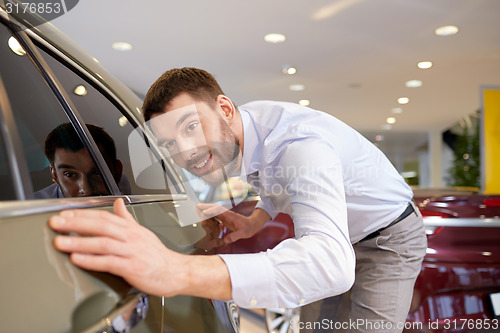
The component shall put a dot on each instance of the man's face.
(198, 138)
(76, 174)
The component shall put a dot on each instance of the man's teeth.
(202, 164)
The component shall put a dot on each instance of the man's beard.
(224, 156)
(225, 162)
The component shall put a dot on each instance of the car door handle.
(122, 319)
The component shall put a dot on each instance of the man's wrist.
(259, 217)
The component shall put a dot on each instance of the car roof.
(47, 34)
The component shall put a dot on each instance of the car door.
(152, 185)
(41, 291)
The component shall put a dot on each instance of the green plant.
(466, 168)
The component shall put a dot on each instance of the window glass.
(37, 113)
(144, 173)
(6, 185)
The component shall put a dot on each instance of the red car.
(458, 289)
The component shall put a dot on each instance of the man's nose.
(84, 187)
(188, 149)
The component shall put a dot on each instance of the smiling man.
(359, 238)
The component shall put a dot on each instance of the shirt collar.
(252, 146)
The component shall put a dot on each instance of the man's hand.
(121, 246)
(240, 226)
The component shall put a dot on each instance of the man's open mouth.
(202, 164)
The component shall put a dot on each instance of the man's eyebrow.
(65, 166)
(184, 117)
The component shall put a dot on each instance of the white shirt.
(337, 187)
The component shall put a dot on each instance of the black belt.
(404, 215)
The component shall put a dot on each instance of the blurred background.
(407, 74)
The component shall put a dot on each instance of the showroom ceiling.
(353, 57)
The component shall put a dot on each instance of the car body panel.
(32, 267)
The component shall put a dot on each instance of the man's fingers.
(232, 237)
(211, 210)
(121, 210)
(91, 245)
(100, 263)
(86, 225)
(96, 214)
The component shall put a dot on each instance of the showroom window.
(143, 172)
(37, 113)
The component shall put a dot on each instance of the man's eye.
(69, 174)
(169, 144)
(191, 126)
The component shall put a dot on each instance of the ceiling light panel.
(447, 30)
(403, 100)
(424, 64)
(297, 87)
(413, 83)
(275, 38)
(122, 46)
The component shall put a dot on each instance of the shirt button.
(302, 301)
(253, 301)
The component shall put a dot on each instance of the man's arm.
(123, 247)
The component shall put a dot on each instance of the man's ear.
(227, 107)
(54, 174)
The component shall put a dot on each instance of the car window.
(36, 113)
(98, 109)
(6, 184)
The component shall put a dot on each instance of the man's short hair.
(64, 136)
(198, 83)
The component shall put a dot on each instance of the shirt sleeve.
(320, 261)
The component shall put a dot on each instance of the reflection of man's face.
(198, 138)
(76, 174)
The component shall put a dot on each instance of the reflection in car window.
(97, 109)
(73, 170)
(35, 110)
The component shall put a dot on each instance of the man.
(359, 240)
(72, 169)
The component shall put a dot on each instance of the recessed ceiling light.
(16, 47)
(122, 121)
(304, 102)
(397, 110)
(390, 120)
(403, 100)
(80, 90)
(122, 46)
(275, 38)
(447, 30)
(386, 126)
(289, 70)
(424, 64)
(413, 83)
(297, 87)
